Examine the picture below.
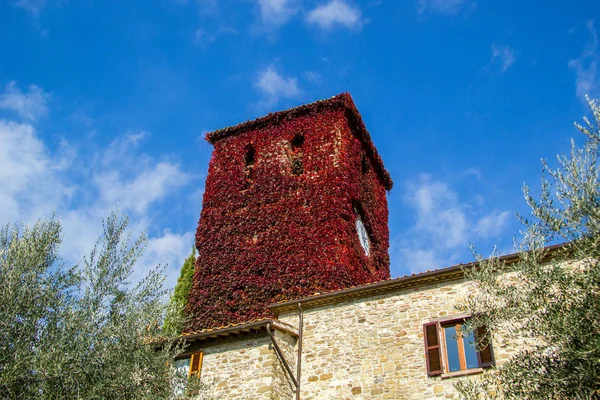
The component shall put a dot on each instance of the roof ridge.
(342, 100)
(216, 135)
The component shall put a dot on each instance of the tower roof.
(342, 101)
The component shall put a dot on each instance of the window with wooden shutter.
(196, 364)
(486, 355)
(432, 349)
(459, 349)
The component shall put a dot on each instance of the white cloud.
(492, 224)
(28, 105)
(439, 214)
(275, 86)
(503, 57)
(444, 6)
(444, 226)
(336, 12)
(29, 175)
(119, 149)
(587, 80)
(277, 12)
(35, 182)
(204, 38)
(170, 248)
(471, 172)
(137, 193)
(207, 5)
(313, 77)
(420, 259)
(32, 6)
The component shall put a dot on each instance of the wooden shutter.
(486, 355)
(432, 349)
(196, 364)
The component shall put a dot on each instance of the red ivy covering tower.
(295, 204)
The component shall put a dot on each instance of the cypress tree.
(176, 316)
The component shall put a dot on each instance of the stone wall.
(368, 348)
(283, 388)
(247, 368)
(373, 348)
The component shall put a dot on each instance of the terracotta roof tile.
(216, 328)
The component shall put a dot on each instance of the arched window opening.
(361, 230)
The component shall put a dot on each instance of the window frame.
(462, 355)
(433, 358)
(195, 370)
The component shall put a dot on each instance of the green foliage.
(83, 332)
(549, 309)
(176, 316)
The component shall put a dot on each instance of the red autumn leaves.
(281, 224)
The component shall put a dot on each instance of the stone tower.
(294, 204)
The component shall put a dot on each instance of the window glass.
(363, 237)
(452, 348)
(456, 350)
(470, 351)
(183, 366)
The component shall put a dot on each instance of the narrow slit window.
(364, 164)
(250, 152)
(296, 155)
(249, 165)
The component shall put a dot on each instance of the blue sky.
(105, 104)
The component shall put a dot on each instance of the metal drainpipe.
(299, 363)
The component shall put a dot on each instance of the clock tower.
(294, 204)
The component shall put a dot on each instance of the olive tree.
(82, 332)
(549, 301)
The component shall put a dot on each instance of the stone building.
(393, 339)
(294, 203)
(291, 296)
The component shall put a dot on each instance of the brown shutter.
(432, 349)
(486, 355)
(196, 364)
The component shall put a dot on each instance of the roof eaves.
(235, 330)
(382, 287)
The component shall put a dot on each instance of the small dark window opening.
(358, 209)
(346, 217)
(249, 165)
(296, 155)
(364, 164)
(250, 152)
(297, 142)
